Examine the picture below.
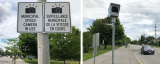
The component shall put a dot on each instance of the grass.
(35, 61)
(155, 46)
(99, 52)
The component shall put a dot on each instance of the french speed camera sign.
(29, 18)
(57, 17)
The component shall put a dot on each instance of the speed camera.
(113, 10)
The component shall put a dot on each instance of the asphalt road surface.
(147, 58)
(4, 60)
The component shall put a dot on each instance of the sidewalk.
(121, 56)
(18, 61)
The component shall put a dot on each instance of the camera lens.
(58, 10)
(31, 10)
(115, 9)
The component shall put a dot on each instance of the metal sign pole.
(94, 48)
(113, 37)
(94, 54)
(43, 45)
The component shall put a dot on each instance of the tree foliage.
(142, 39)
(106, 31)
(13, 45)
(1, 51)
(128, 40)
(149, 38)
(87, 41)
(28, 43)
(65, 46)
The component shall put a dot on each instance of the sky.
(137, 16)
(8, 17)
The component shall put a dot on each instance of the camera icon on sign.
(57, 8)
(30, 9)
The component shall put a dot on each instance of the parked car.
(146, 49)
(0, 55)
(10, 56)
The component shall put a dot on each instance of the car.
(0, 55)
(10, 56)
(146, 49)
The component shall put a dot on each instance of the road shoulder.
(135, 56)
(122, 56)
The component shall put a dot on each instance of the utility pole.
(43, 44)
(155, 32)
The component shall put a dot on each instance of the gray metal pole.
(43, 46)
(155, 32)
(113, 37)
(94, 54)
(95, 49)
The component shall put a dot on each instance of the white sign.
(95, 40)
(29, 17)
(57, 17)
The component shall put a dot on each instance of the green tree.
(13, 46)
(128, 39)
(8, 53)
(87, 41)
(149, 38)
(28, 43)
(65, 46)
(142, 39)
(118, 42)
(106, 30)
(1, 51)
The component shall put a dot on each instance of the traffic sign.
(57, 17)
(95, 40)
(29, 18)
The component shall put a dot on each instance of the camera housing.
(113, 10)
(57, 10)
(30, 10)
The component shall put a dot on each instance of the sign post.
(95, 44)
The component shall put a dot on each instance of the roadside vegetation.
(100, 51)
(64, 47)
(105, 41)
(35, 61)
(150, 40)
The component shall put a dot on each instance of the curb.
(135, 56)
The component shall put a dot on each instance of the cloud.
(8, 24)
(84, 27)
(76, 19)
(3, 45)
(137, 16)
(5, 11)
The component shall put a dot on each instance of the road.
(147, 58)
(5, 60)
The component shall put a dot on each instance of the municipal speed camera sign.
(29, 17)
(57, 17)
